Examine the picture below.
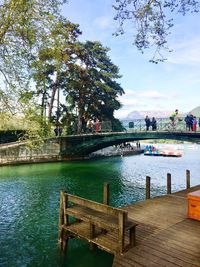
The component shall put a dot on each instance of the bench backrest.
(94, 205)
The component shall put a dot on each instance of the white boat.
(172, 153)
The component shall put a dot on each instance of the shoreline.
(119, 153)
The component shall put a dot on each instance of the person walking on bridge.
(173, 116)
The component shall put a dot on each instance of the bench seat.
(100, 219)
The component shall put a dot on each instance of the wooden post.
(187, 179)
(106, 194)
(65, 205)
(169, 188)
(148, 187)
(122, 217)
(61, 218)
(64, 235)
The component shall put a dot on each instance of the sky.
(171, 85)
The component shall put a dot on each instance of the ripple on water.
(29, 202)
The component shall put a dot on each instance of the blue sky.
(164, 86)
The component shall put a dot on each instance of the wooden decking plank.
(169, 239)
(168, 245)
(147, 256)
(163, 258)
(175, 240)
(182, 245)
(138, 259)
(128, 264)
(172, 256)
(183, 256)
(183, 236)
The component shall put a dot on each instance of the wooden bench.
(96, 223)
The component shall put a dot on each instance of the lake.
(29, 202)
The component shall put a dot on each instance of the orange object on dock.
(194, 205)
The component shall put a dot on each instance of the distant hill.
(196, 111)
(151, 113)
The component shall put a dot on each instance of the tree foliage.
(40, 56)
(151, 21)
(24, 26)
(92, 89)
(50, 68)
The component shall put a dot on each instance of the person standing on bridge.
(148, 122)
(154, 124)
(191, 119)
(97, 125)
(194, 126)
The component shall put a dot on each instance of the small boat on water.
(153, 151)
(170, 153)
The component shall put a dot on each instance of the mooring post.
(148, 187)
(61, 218)
(169, 187)
(61, 235)
(106, 194)
(187, 179)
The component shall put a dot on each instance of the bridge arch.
(82, 145)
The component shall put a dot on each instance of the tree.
(24, 26)
(92, 89)
(151, 21)
(50, 68)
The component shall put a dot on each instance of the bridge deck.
(164, 235)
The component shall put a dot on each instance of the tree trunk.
(54, 89)
(43, 106)
(79, 122)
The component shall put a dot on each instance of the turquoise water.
(29, 202)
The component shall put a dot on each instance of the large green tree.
(92, 87)
(50, 68)
(24, 26)
(151, 21)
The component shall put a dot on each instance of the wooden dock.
(164, 234)
(154, 232)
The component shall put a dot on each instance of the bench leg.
(132, 237)
(92, 235)
(64, 241)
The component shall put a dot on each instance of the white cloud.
(186, 52)
(151, 94)
(146, 100)
(103, 22)
(130, 92)
(132, 101)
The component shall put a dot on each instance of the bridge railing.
(135, 125)
(162, 124)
